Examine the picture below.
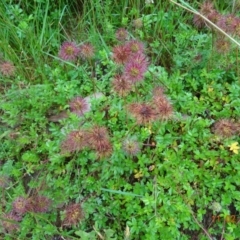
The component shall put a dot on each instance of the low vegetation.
(119, 120)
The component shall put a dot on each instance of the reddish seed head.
(121, 34)
(214, 16)
(163, 108)
(237, 27)
(87, 51)
(208, 11)
(228, 23)
(121, 85)
(98, 140)
(135, 46)
(134, 72)
(225, 128)
(143, 112)
(19, 205)
(79, 106)
(42, 204)
(69, 51)
(121, 54)
(222, 45)
(221, 23)
(75, 141)
(140, 58)
(104, 150)
(7, 69)
(231, 20)
(38, 204)
(73, 215)
(198, 21)
(10, 224)
(206, 8)
(136, 67)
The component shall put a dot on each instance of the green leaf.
(121, 192)
(85, 235)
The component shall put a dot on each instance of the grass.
(122, 144)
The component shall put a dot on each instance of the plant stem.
(205, 231)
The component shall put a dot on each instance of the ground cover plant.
(119, 120)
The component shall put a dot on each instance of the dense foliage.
(119, 120)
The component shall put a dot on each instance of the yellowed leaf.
(138, 174)
(234, 147)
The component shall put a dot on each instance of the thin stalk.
(237, 62)
(125, 104)
(205, 231)
(137, 92)
(44, 24)
(212, 51)
(223, 231)
(233, 6)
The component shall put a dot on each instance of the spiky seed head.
(135, 46)
(133, 72)
(136, 67)
(222, 23)
(121, 34)
(206, 8)
(9, 221)
(79, 106)
(38, 204)
(73, 214)
(208, 11)
(140, 58)
(143, 112)
(214, 16)
(198, 21)
(104, 150)
(7, 69)
(121, 85)
(231, 22)
(86, 51)
(98, 140)
(163, 108)
(75, 141)
(19, 205)
(222, 45)
(225, 128)
(120, 54)
(69, 51)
